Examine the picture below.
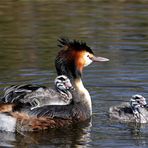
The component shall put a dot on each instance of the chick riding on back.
(34, 96)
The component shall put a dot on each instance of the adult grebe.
(70, 61)
(134, 111)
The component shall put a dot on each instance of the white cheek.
(88, 61)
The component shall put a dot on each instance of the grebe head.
(62, 83)
(73, 57)
(139, 100)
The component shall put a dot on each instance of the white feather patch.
(7, 123)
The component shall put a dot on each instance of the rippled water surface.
(117, 30)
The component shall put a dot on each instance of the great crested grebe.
(70, 61)
(38, 96)
(134, 111)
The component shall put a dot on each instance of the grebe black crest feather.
(74, 44)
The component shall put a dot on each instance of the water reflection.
(137, 133)
(6, 139)
(75, 136)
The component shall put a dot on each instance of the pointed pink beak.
(99, 59)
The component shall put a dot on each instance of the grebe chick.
(134, 111)
(40, 96)
(48, 96)
(70, 61)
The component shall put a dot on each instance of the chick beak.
(69, 86)
(99, 59)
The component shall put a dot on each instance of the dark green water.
(118, 30)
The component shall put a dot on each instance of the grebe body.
(134, 111)
(70, 61)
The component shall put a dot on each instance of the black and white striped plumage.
(38, 96)
(137, 102)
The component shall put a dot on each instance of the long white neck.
(83, 95)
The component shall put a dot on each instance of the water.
(117, 30)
